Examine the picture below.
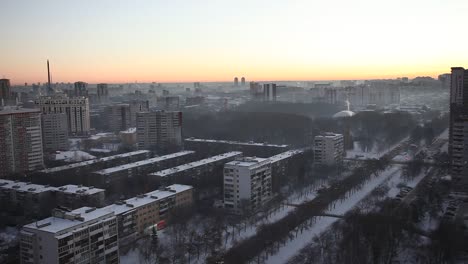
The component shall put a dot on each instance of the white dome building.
(344, 113)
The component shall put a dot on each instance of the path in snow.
(291, 248)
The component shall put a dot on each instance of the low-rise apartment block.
(75, 172)
(202, 174)
(209, 147)
(116, 175)
(85, 235)
(329, 149)
(247, 184)
(90, 235)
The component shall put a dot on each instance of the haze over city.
(233, 132)
(184, 41)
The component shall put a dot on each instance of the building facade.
(329, 149)
(458, 129)
(160, 129)
(247, 184)
(21, 141)
(55, 132)
(102, 93)
(85, 235)
(81, 89)
(76, 109)
(5, 91)
(118, 117)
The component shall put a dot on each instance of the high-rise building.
(269, 92)
(243, 81)
(118, 117)
(5, 90)
(102, 92)
(458, 129)
(76, 109)
(329, 149)
(55, 131)
(160, 129)
(20, 141)
(81, 89)
(236, 81)
(247, 184)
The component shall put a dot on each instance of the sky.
(119, 41)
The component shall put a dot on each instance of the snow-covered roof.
(285, 155)
(197, 163)
(247, 162)
(78, 189)
(89, 162)
(80, 217)
(25, 186)
(144, 162)
(251, 143)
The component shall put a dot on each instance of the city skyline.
(119, 42)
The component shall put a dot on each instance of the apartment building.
(247, 184)
(207, 147)
(205, 174)
(329, 149)
(77, 172)
(458, 127)
(85, 235)
(21, 141)
(160, 129)
(90, 235)
(76, 109)
(38, 200)
(55, 132)
(75, 196)
(116, 175)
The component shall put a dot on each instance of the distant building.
(5, 90)
(247, 184)
(76, 109)
(159, 129)
(102, 93)
(128, 137)
(329, 149)
(243, 81)
(21, 141)
(458, 129)
(256, 91)
(137, 106)
(194, 100)
(236, 81)
(168, 102)
(55, 132)
(269, 92)
(118, 117)
(81, 89)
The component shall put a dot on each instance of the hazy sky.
(215, 40)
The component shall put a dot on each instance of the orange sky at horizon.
(118, 41)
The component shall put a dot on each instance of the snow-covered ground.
(291, 248)
(357, 153)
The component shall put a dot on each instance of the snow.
(73, 156)
(341, 207)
